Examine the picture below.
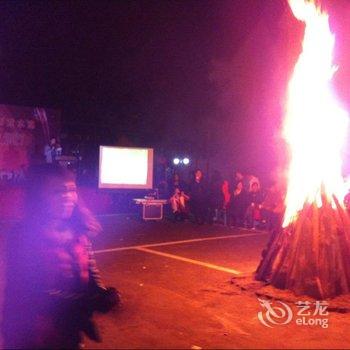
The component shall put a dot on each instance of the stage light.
(186, 161)
(176, 161)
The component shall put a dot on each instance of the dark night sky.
(205, 77)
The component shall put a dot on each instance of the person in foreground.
(52, 282)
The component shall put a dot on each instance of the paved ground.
(178, 295)
(175, 283)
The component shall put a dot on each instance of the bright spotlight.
(186, 161)
(176, 161)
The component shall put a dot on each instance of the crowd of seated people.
(236, 202)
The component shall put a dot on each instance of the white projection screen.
(127, 168)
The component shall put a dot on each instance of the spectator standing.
(238, 205)
(198, 197)
(216, 196)
(52, 151)
(225, 188)
(254, 200)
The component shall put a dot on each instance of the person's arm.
(89, 223)
(94, 273)
(105, 298)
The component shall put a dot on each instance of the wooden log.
(312, 255)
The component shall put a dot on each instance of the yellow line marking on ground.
(177, 242)
(198, 240)
(110, 250)
(191, 261)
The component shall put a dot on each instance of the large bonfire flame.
(311, 254)
(315, 126)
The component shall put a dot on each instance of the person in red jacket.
(52, 282)
(254, 200)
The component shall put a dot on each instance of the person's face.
(255, 188)
(60, 198)
(198, 174)
(239, 186)
(53, 141)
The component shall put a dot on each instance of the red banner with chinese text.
(24, 131)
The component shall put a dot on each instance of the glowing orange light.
(315, 125)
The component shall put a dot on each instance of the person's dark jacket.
(198, 192)
(255, 198)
